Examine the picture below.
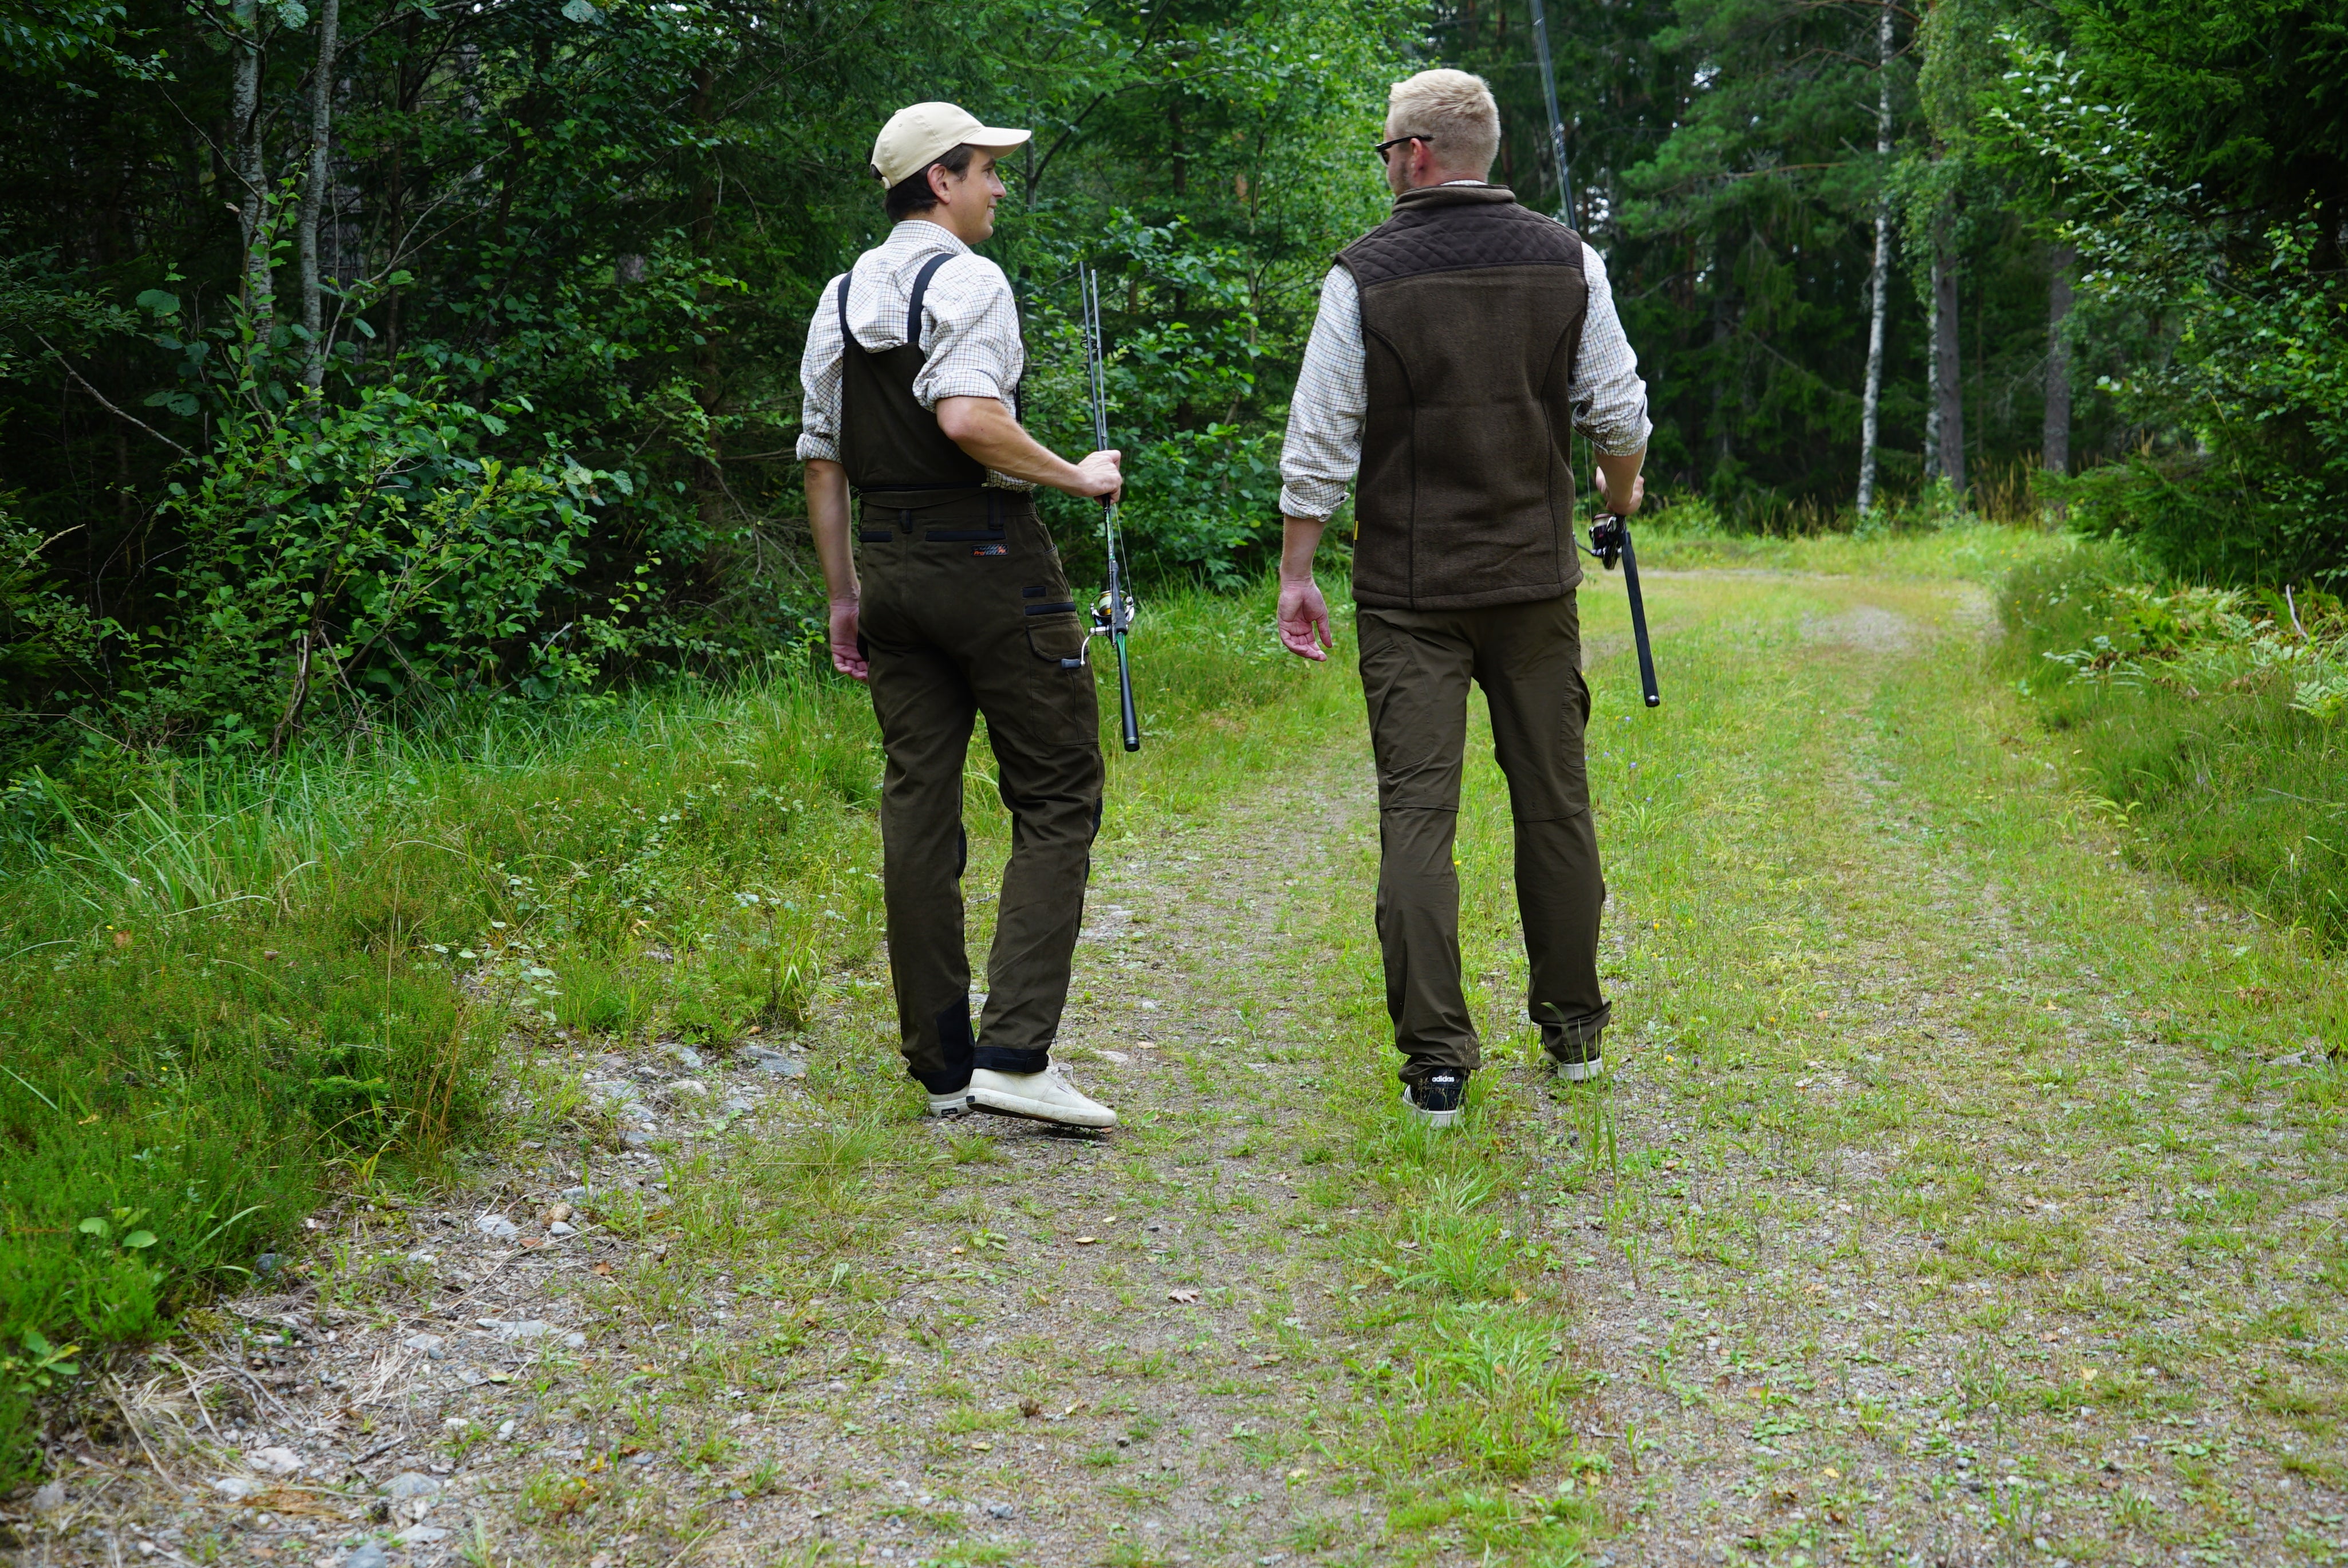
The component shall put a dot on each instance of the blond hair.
(1454, 112)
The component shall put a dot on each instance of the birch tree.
(249, 160)
(1944, 440)
(1880, 275)
(314, 191)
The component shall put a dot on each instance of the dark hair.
(912, 196)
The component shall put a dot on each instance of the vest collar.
(1454, 196)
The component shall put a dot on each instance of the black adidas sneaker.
(1436, 1100)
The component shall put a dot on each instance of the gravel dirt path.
(1958, 1196)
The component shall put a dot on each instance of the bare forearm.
(1300, 537)
(1621, 489)
(985, 430)
(827, 500)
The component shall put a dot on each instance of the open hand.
(1304, 621)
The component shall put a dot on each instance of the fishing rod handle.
(1126, 712)
(1647, 687)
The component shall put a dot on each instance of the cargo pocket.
(1057, 636)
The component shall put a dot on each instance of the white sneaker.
(1583, 1071)
(1039, 1096)
(954, 1104)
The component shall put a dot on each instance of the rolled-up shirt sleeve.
(1610, 401)
(1323, 451)
(819, 379)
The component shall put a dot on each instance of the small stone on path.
(527, 1328)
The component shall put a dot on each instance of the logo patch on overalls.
(990, 550)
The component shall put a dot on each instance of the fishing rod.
(1609, 535)
(1610, 541)
(1555, 124)
(1113, 616)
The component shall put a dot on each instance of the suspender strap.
(914, 310)
(920, 287)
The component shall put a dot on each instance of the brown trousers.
(1417, 666)
(966, 610)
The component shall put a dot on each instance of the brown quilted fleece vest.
(1471, 318)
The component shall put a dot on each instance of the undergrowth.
(227, 989)
(2211, 726)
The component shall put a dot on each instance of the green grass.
(2221, 781)
(1687, 536)
(227, 989)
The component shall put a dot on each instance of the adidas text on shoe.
(1436, 1099)
(953, 1103)
(1038, 1097)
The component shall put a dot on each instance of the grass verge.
(2210, 730)
(228, 989)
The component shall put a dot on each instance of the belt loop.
(905, 520)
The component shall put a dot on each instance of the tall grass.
(2198, 741)
(227, 988)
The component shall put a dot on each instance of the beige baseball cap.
(918, 137)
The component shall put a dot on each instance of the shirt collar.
(919, 233)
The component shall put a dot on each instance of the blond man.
(1458, 344)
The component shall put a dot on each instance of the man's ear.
(941, 178)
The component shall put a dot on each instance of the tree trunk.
(1871, 405)
(246, 151)
(314, 191)
(709, 474)
(2054, 444)
(1723, 445)
(1947, 381)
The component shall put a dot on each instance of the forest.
(368, 356)
(450, 1105)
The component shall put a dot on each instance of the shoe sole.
(952, 1110)
(1033, 1110)
(1582, 1072)
(1438, 1119)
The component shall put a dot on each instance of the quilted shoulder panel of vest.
(1448, 239)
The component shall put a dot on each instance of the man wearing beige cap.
(911, 376)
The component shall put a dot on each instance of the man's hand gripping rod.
(1113, 616)
(1610, 539)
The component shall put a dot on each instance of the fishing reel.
(1104, 625)
(1105, 618)
(1607, 537)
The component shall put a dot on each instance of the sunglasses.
(1384, 150)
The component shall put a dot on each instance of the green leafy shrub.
(2241, 478)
